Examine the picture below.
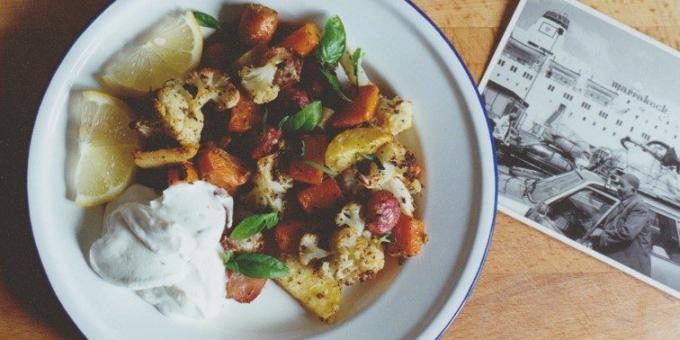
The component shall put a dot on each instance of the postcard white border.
(501, 200)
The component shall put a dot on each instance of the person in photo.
(626, 236)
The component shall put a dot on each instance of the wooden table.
(532, 286)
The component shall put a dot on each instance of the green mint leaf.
(253, 225)
(333, 42)
(305, 120)
(356, 57)
(332, 79)
(321, 168)
(258, 265)
(206, 20)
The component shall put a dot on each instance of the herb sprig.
(206, 20)
(331, 48)
(255, 265)
(253, 225)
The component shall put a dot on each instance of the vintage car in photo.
(577, 202)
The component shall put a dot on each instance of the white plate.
(418, 299)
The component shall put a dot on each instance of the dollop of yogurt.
(167, 248)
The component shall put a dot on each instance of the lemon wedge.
(105, 165)
(168, 50)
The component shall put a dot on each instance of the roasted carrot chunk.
(287, 235)
(315, 151)
(361, 109)
(408, 237)
(319, 197)
(185, 172)
(244, 116)
(304, 40)
(222, 169)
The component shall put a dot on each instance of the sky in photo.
(612, 53)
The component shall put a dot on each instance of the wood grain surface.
(532, 286)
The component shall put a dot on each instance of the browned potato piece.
(258, 24)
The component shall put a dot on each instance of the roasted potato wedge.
(318, 292)
(347, 147)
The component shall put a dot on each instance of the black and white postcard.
(586, 119)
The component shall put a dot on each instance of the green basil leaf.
(356, 63)
(232, 266)
(332, 79)
(305, 120)
(226, 256)
(206, 20)
(333, 42)
(260, 266)
(253, 225)
(321, 168)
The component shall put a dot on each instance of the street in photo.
(586, 120)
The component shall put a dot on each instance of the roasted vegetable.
(266, 142)
(348, 147)
(395, 115)
(319, 197)
(222, 169)
(309, 250)
(356, 257)
(185, 172)
(317, 290)
(244, 116)
(382, 212)
(242, 288)
(162, 157)
(304, 40)
(315, 151)
(258, 24)
(350, 215)
(178, 114)
(287, 235)
(252, 244)
(408, 237)
(270, 188)
(387, 177)
(360, 110)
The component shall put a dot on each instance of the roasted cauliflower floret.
(270, 188)
(350, 215)
(357, 257)
(251, 244)
(178, 114)
(261, 80)
(309, 249)
(405, 162)
(213, 86)
(395, 115)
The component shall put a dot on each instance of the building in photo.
(561, 93)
